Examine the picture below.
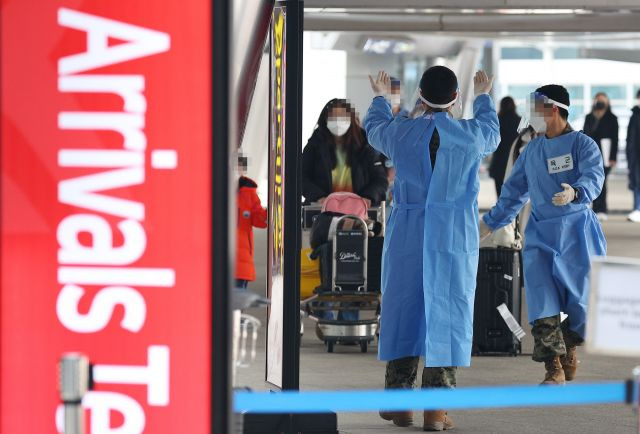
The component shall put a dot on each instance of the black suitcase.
(374, 264)
(498, 282)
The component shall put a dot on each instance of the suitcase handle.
(495, 267)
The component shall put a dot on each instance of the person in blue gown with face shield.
(430, 255)
(561, 172)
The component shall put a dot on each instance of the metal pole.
(74, 374)
(223, 217)
(635, 394)
(292, 213)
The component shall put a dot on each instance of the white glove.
(485, 230)
(381, 86)
(565, 196)
(482, 83)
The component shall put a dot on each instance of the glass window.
(576, 112)
(621, 110)
(520, 53)
(575, 92)
(566, 53)
(520, 92)
(613, 91)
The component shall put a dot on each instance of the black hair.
(507, 106)
(438, 84)
(638, 94)
(608, 110)
(355, 137)
(243, 161)
(557, 93)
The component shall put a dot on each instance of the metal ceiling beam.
(475, 4)
(473, 23)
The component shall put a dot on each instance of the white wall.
(324, 78)
(359, 66)
(255, 143)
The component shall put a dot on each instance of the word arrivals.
(100, 263)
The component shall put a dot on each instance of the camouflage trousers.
(552, 338)
(402, 373)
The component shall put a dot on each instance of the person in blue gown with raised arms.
(430, 255)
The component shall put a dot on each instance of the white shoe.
(602, 216)
(634, 216)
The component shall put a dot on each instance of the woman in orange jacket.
(250, 214)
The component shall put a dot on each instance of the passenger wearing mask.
(395, 98)
(509, 121)
(602, 126)
(633, 159)
(561, 172)
(430, 256)
(338, 158)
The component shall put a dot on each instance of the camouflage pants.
(402, 373)
(552, 338)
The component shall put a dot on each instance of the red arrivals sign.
(105, 207)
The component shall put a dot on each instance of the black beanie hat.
(438, 84)
(555, 92)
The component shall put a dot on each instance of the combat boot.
(399, 418)
(570, 363)
(437, 420)
(555, 373)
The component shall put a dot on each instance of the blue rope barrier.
(464, 398)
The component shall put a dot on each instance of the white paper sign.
(561, 163)
(605, 144)
(613, 326)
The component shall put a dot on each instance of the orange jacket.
(250, 214)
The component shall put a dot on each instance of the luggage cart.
(343, 263)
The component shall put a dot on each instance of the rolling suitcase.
(374, 264)
(498, 282)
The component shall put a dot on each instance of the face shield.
(536, 106)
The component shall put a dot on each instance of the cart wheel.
(364, 345)
(329, 346)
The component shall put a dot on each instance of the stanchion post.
(74, 382)
(634, 393)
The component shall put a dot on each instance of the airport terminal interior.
(587, 46)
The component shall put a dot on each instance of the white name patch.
(560, 164)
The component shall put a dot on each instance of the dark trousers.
(499, 182)
(600, 204)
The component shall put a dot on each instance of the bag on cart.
(346, 203)
(335, 206)
(323, 228)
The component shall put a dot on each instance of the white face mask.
(339, 126)
(395, 99)
(538, 124)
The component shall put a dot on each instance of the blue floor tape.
(463, 398)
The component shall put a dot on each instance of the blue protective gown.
(559, 240)
(430, 255)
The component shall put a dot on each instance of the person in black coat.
(633, 159)
(509, 121)
(339, 158)
(602, 126)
